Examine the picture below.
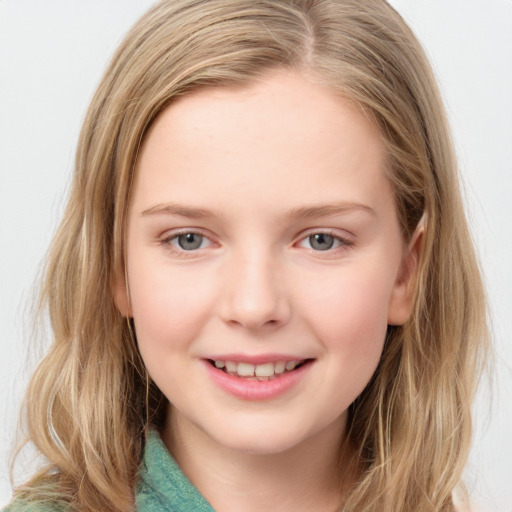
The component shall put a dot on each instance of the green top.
(162, 486)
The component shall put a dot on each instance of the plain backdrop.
(52, 55)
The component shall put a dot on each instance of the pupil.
(190, 241)
(321, 241)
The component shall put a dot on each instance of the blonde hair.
(90, 401)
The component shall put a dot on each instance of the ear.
(404, 291)
(121, 293)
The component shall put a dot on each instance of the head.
(418, 399)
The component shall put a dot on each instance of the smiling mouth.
(260, 372)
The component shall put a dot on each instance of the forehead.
(266, 139)
(282, 102)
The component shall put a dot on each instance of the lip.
(253, 390)
(256, 359)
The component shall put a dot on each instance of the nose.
(253, 295)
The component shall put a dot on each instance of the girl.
(263, 293)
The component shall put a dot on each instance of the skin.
(255, 158)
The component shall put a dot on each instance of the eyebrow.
(340, 208)
(178, 209)
(303, 212)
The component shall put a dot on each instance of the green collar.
(162, 486)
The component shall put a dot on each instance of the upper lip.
(256, 359)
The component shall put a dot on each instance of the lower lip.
(255, 389)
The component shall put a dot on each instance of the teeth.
(265, 370)
(245, 370)
(231, 366)
(290, 365)
(279, 367)
(261, 372)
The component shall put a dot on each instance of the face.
(264, 261)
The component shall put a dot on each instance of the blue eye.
(184, 243)
(188, 241)
(321, 241)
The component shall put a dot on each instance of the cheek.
(349, 314)
(168, 306)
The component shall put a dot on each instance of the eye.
(323, 241)
(188, 241)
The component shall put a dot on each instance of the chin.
(261, 440)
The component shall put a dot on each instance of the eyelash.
(167, 242)
(342, 244)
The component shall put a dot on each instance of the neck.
(307, 477)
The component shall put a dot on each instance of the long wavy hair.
(91, 401)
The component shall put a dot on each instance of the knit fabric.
(162, 486)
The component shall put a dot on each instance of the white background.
(52, 54)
